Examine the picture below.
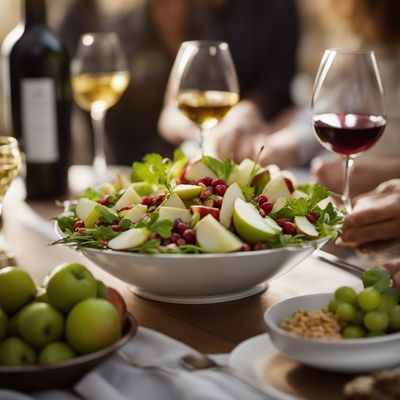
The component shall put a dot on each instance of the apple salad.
(205, 206)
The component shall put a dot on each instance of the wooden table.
(214, 328)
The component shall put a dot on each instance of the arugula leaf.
(220, 168)
(329, 221)
(279, 241)
(102, 232)
(163, 227)
(185, 249)
(91, 194)
(150, 247)
(106, 214)
(317, 194)
(125, 224)
(66, 223)
(292, 208)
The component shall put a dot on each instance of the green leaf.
(317, 193)
(376, 277)
(91, 194)
(279, 241)
(150, 247)
(163, 227)
(125, 224)
(107, 215)
(102, 232)
(220, 168)
(66, 222)
(248, 192)
(294, 207)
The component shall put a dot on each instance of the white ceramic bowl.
(199, 278)
(341, 355)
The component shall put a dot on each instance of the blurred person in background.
(262, 34)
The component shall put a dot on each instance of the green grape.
(346, 295)
(394, 318)
(375, 333)
(376, 321)
(386, 303)
(346, 312)
(392, 292)
(333, 305)
(353, 332)
(369, 299)
(359, 318)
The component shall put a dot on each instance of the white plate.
(251, 357)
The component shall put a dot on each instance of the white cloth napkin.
(117, 380)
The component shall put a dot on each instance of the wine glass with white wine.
(10, 166)
(206, 86)
(99, 78)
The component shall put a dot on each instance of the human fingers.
(376, 247)
(393, 266)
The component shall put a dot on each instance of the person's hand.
(374, 223)
(393, 266)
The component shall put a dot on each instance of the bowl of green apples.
(199, 231)
(52, 336)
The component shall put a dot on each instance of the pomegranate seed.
(104, 242)
(289, 184)
(312, 216)
(105, 200)
(289, 228)
(166, 242)
(81, 231)
(216, 182)
(189, 235)
(181, 242)
(154, 236)
(262, 212)
(281, 221)
(261, 199)
(205, 195)
(152, 208)
(261, 246)
(78, 224)
(175, 237)
(181, 227)
(125, 208)
(147, 201)
(159, 199)
(218, 202)
(220, 189)
(176, 223)
(205, 181)
(266, 207)
(116, 228)
(246, 247)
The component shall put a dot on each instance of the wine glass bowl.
(348, 106)
(206, 83)
(99, 78)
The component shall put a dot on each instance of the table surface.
(215, 328)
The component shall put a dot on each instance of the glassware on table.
(348, 106)
(10, 166)
(206, 85)
(99, 78)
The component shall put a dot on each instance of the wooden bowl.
(63, 374)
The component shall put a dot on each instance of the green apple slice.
(85, 210)
(272, 223)
(276, 188)
(172, 213)
(232, 193)
(298, 194)
(244, 171)
(135, 213)
(260, 180)
(198, 170)
(107, 188)
(129, 239)
(129, 197)
(214, 238)
(306, 227)
(143, 188)
(174, 201)
(187, 192)
(249, 224)
(279, 204)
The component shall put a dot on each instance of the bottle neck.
(33, 12)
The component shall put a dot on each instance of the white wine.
(10, 163)
(206, 108)
(102, 89)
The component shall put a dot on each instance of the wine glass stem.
(202, 137)
(98, 122)
(348, 168)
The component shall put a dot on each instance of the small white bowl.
(340, 355)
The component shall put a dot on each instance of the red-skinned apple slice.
(203, 211)
(306, 227)
(232, 193)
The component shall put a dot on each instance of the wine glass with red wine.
(348, 106)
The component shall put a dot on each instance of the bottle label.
(39, 120)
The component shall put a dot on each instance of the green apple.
(260, 180)
(244, 171)
(40, 324)
(174, 201)
(198, 170)
(232, 193)
(249, 224)
(298, 194)
(280, 202)
(93, 324)
(107, 188)
(68, 284)
(16, 289)
(102, 290)
(143, 188)
(306, 227)
(13, 325)
(187, 192)
(56, 352)
(172, 213)
(3, 324)
(135, 213)
(128, 198)
(14, 351)
(86, 211)
(214, 238)
(276, 188)
(129, 239)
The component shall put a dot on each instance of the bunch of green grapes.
(372, 312)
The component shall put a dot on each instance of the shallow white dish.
(199, 278)
(346, 355)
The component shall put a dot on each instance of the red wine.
(348, 134)
(37, 90)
